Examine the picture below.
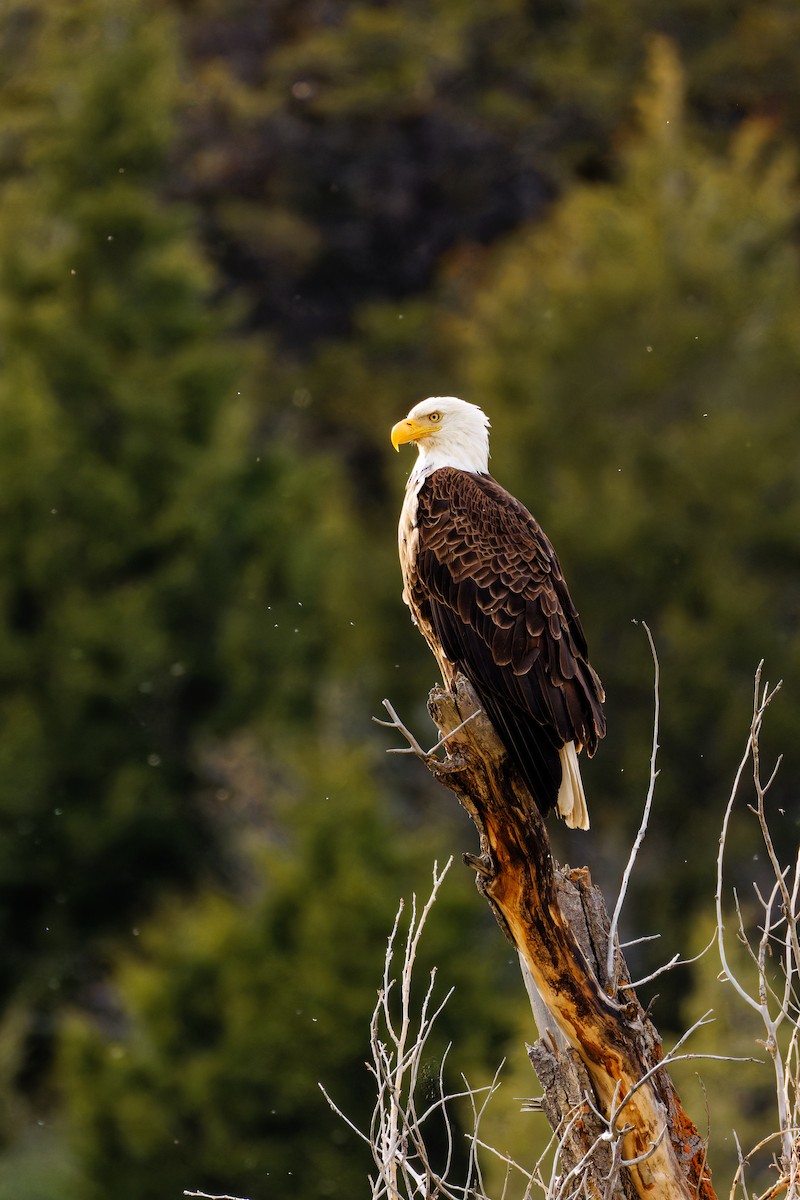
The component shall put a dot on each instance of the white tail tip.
(571, 802)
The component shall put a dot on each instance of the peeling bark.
(558, 923)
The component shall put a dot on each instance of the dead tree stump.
(598, 1056)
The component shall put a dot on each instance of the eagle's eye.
(435, 417)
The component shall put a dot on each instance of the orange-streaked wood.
(611, 1034)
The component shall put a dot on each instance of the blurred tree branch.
(773, 996)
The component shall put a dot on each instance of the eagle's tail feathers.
(571, 802)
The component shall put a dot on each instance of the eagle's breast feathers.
(486, 589)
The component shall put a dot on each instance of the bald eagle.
(485, 588)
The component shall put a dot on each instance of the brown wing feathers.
(489, 584)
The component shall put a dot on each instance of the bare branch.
(413, 746)
(759, 707)
(398, 1039)
(612, 935)
(395, 723)
(208, 1196)
(473, 1168)
(675, 961)
(773, 1009)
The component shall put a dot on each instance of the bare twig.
(398, 1037)
(675, 961)
(473, 1168)
(612, 933)
(778, 927)
(759, 708)
(209, 1196)
(413, 746)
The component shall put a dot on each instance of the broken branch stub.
(559, 925)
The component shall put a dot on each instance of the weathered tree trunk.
(595, 1049)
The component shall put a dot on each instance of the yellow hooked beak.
(409, 430)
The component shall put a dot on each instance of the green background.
(238, 240)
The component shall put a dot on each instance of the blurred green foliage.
(237, 241)
(115, 387)
(234, 1018)
(730, 1100)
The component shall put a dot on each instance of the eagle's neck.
(462, 453)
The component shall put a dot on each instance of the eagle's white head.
(447, 433)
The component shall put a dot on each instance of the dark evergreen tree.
(124, 424)
(340, 153)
